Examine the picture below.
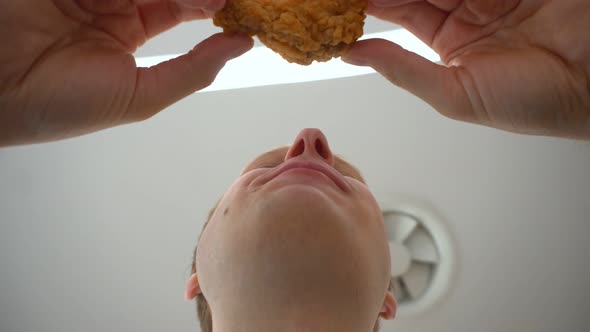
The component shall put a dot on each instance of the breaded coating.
(301, 31)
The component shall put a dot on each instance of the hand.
(516, 65)
(67, 67)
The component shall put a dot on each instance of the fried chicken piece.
(301, 31)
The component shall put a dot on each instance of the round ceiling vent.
(422, 260)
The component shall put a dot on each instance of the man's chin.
(299, 202)
(301, 195)
(302, 179)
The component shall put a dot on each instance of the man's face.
(297, 233)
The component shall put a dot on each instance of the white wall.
(96, 233)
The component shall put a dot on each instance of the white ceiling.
(96, 233)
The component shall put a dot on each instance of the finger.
(391, 3)
(446, 5)
(420, 18)
(483, 12)
(159, 16)
(164, 84)
(437, 85)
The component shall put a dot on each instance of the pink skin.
(315, 237)
(89, 45)
(516, 65)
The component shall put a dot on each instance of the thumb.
(162, 85)
(437, 85)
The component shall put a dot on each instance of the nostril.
(319, 147)
(299, 148)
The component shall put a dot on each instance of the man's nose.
(311, 143)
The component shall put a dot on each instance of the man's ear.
(192, 287)
(389, 307)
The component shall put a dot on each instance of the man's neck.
(275, 324)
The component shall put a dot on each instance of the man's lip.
(328, 171)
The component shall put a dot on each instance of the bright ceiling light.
(261, 66)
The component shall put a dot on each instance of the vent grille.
(422, 260)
